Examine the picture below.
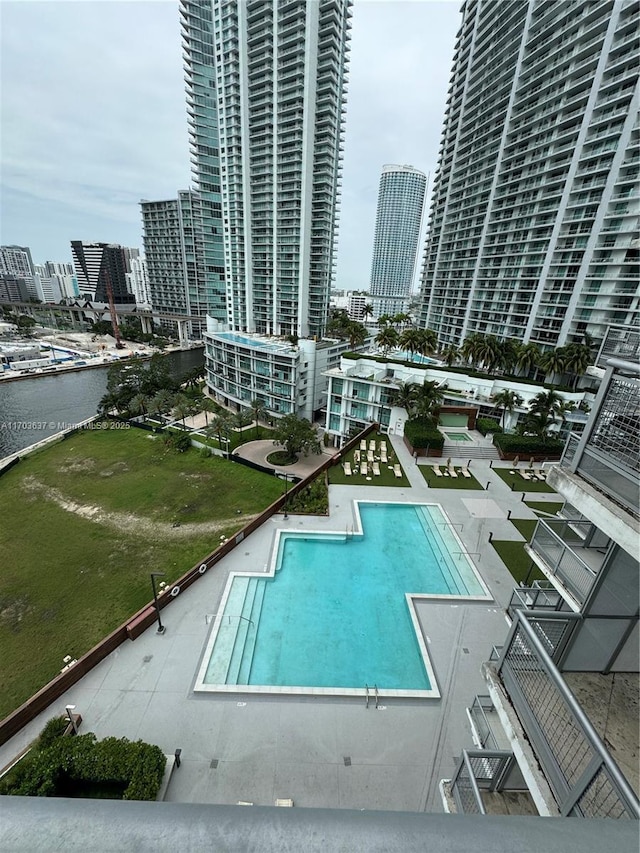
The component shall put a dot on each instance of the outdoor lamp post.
(155, 575)
(70, 709)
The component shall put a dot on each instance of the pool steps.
(432, 530)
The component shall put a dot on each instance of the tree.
(506, 401)
(139, 405)
(163, 401)
(553, 362)
(488, 351)
(356, 333)
(527, 358)
(258, 408)
(296, 435)
(450, 354)
(405, 396)
(545, 408)
(387, 338)
(427, 342)
(242, 418)
(411, 340)
(577, 359)
(428, 399)
(220, 427)
(470, 348)
(182, 408)
(367, 311)
(208, 406)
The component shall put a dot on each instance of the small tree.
(506, 401)
(221, 428)
(296, 435)
(258, 409)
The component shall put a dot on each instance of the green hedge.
(509, 443)
(421, 433)
(82, 760)
(485, 425)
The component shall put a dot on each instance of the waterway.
(32, 409)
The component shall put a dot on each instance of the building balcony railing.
(478, 771)
(542, 595)
(584, 779)
(554, 544)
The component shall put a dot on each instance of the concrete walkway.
(329, 752)
(257, 451)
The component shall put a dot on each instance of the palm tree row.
(420, 341)
(420, 401)
(509, 355)
(545, 410)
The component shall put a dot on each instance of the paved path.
(257, 451)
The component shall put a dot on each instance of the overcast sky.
(93, 116)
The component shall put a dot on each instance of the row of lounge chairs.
(366, 468)
(530, 473)
(450, 471)
(372, 445)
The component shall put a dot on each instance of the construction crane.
(112, 311)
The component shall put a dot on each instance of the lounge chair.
(284, 802)
(540, 474)
(383, 457)
(363, 444)
(397, 470)
(370, 456)
(525, 475)
(453, 472)
(347, 468)
(465, 473)
(383, 446)
(364, 469)
(356, 457)
(376, 469)
(372, 445)
(437, 471)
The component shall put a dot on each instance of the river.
(32, 409)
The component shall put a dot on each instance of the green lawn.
(551, 508)
(518, 561)
(85, 522)
(520, 485)
(443, 482)
(337, 477)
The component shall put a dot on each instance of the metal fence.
(478, 770)
(583, 777)
(480, 706)
(561, 560)
(536, 597)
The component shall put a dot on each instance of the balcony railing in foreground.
(542, 595)
(552, 541)
(584, 778)
(478, 770)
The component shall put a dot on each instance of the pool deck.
(331, 752)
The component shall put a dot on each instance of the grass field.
(550, 507)
(85, 522)
(515, 557)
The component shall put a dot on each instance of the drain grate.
(347, 761)
(466, 651)
(147, 658)
(214, 764)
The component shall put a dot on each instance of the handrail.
(366, 687)
(375, 687)
(523, 620)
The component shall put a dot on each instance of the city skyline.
(71, 173)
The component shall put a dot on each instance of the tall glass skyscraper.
(265, 87)
(395, 244)
(533, 230)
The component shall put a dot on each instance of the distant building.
(397, 234)
(138, 282)
(13, 289)
(46, 287)
(533, 231)
(95, 265)
(17, 261)
(356, 303)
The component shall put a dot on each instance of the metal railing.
(478, 716)
(559, 557)
(478, 770)
(536, 597)
(584, 778)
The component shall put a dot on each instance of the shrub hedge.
(509, 443)
(421, 433)
(137, 767)
(485, 425)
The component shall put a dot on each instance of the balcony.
(488, 782)
(568, 737)
(561, 549)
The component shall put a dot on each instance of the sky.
(93, 117)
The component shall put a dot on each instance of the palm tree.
(208, 406)
(489, 352)
(367, 311)
(384, 320)
(545, 408)
(410, 340)
(527, 358)
(553, 362)
(428, 342)
(387, 338)
(400, 319)
(405, 396)
(221, 428)
(577, 359)
(507, 402)
(258, 408)
(139, 404)
(428, 400)
(163, 401)
(182, 408)
(509, 351)
(450, 354)
(357, 334)
(470, 347)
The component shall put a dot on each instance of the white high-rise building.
(397, 234)
(265, 87)
(533, 229)
(138, 281)
(16, 260)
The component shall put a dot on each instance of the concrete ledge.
(166, 777)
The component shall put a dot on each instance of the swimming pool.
(458, 436)
(337, 611)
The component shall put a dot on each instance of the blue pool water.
(335, 612)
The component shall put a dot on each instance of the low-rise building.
(286, 378)
(362, 388)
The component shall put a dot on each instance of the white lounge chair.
(356, 457)
(452, 472)
(540, 474)
(525, 475)
(383, 446)
(383, 457)
(376, 469)
(465, 473)
(364, 469)
(370, 456)
(397, 470)
(347, 468)
(372, 445)
(437, 471)
(363, 444)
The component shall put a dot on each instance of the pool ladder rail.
(368, 695)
